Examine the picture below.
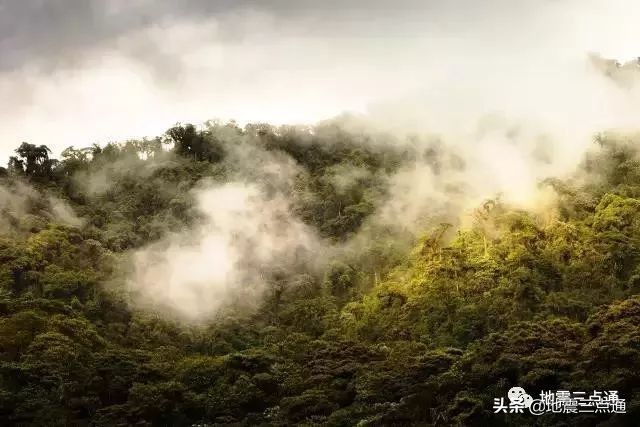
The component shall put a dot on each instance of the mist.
(434, 66)
(512, 92)
(21, 205)
(224, 261)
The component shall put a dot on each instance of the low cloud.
(225, 261)
(23, 208)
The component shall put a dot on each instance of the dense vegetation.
(394, 331)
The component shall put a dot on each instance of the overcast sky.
(75, 72)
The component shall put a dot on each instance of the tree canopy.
(394, 330)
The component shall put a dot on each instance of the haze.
(79, 72)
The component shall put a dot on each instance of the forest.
(262, 275)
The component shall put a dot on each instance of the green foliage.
(32, 161)
(387, 333)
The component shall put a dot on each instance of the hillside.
(333, 309)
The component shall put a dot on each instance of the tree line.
(400, 331)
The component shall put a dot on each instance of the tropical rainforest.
(369, 323)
